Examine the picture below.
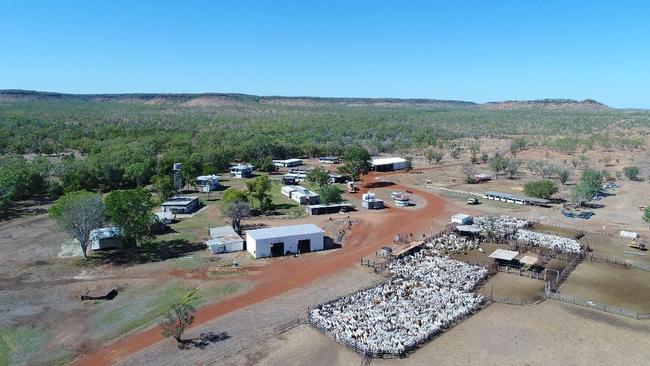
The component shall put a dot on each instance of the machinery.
(352, 187)
(472, 201)
(639, 246)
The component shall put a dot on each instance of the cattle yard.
(435, 285)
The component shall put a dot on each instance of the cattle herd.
(426, 294)
(548, 241)
(516, 229)
(453, 243)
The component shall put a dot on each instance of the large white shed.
(462, 219)
(282, 240)
(388, 164)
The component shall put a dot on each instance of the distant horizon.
(465, 51)
(5, 90)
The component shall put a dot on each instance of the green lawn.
(24, 346)
(142, 305)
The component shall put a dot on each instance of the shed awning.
(468, 229)
(528, 260)
(506, 255)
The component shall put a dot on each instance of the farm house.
(224, 240)
(328, 209)
(282, 240)
(181, 205)
(329, 160)
(301, 195)
(208, 183)
(337, 178)
(242, 171)
(105, 238)
(388, 164)
(287, 163)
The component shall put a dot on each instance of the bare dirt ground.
(39, 231)
(369, 234)
(546, 334)
(516, 287)
(245, 328)
(620, 211)
(628, 288)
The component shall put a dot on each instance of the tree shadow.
(31, 207)
(379, 185)
(253, 226)
(148, 252)
(203, 341)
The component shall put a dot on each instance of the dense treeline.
(116, 144)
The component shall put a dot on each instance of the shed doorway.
(304, 246)
(277, 249)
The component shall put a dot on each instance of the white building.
(282, 240)
(329, 160)
(629, 234)
(388, 164)
(462, 219)
(301, 195)
(286, 163)
(370, 202)
(224, 240)
(242, 171)
(181, 205)
(105, 238)
(208, 182)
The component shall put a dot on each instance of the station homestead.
(402, 265)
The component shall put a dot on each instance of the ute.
(352, 187)
(639, 246)
(473, 201)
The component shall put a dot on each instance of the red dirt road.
(288, 273)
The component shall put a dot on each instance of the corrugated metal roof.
(178, 200)
(386, 161)
(330, 205)
(105, 233)
(518, 198)
(507, 255)
(282, 231)
(207, 177)
(468, 229)
(461, 216)
(221, 231)
(288, 161)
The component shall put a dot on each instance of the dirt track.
(372, 231)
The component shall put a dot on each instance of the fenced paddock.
(369, 355)
(437, 292)
(517, 300)
(568, 299)
(288, 324)
(604, 283)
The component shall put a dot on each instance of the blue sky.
(465, 50)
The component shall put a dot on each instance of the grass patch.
(141, 306)
(24, 346)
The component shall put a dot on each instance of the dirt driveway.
(368, 235)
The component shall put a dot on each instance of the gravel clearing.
(253, 325)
